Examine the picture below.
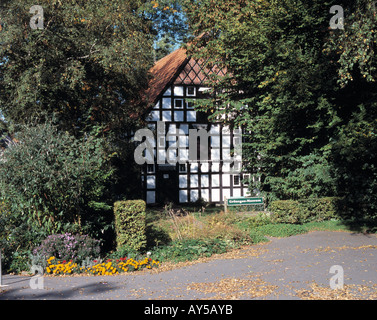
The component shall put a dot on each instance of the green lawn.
(180, 235)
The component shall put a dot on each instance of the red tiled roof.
(179, 67)
(164, 71)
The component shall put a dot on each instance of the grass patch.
(191, 249)
(181, 237)
(329, 225)
(281, 230)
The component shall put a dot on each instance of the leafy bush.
(17, 238)
(130, 224)
(354, 166)
(286, 211)
(320, 209)
(301, 211)
(257, 237)
(55, 182)
(67, 247)
(248, 223)
(302, 177)
(124, 251)
(191, 249)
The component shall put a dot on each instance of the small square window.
(236, 180)
(191, 91)
(182, 167)
(178, 103)
(150, 168)
(190, 105)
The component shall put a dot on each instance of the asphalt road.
(296, 267)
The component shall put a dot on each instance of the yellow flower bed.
(110, 267)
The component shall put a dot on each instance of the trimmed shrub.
(320, 209)
(130, 224)
(285, 211)
(302, 211)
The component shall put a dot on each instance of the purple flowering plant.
(68, 247)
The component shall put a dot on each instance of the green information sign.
(244, 201)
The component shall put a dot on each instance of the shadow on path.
(74, 291)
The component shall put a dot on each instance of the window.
(183, 196)
(191, 91)
(151, 182)
(246, 179)
(194, 195)
(182, 167)
(150, 168)
(183, 181)
(190, 105)
(178, 103)
(236, 180)
(151, 196)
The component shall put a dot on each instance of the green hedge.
(302, 211)
(130, 224)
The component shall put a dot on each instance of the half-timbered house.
(177, 81)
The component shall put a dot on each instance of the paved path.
(276, 270)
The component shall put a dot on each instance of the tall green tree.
(304, 91)
(279, 86)
(88, 64)
(354, 147)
